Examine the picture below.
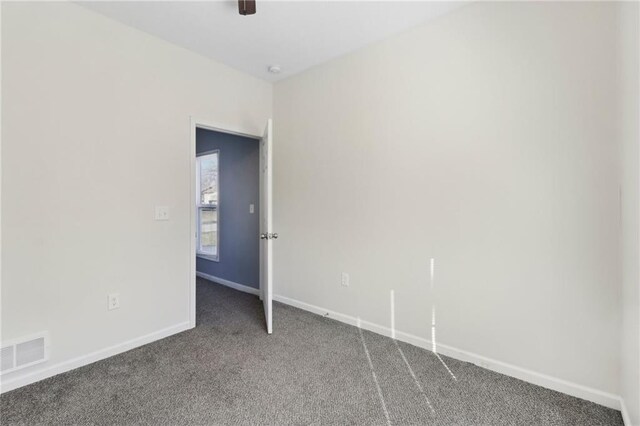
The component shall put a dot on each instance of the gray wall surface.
(239, 186)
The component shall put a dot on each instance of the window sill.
(208, 257)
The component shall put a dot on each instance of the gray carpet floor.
(311, 371)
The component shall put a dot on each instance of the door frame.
(197, 123)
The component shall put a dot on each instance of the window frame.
(200, 207)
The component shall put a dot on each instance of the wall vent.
(24, 352)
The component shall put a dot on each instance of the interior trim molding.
(590, 394)
(8, 384)
(227, 283)
(626, 417)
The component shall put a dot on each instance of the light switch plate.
(162, 213)
(251, 208)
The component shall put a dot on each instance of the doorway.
(231, 238)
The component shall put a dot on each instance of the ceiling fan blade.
(247, 7)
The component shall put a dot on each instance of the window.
(207, 196)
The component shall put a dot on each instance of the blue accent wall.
(238, 229)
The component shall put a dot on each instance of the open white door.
(266, 234)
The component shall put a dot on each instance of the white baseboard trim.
(546, 381)
(626, 417)
(9, 384)
(236, 286)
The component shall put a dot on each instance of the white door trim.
(197, 123)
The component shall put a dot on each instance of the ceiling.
(295, 35)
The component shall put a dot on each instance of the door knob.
(274, 236)
(264, 236)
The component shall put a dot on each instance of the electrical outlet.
(114, 301)
(162, 213)
(345, 279)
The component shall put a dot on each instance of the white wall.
(630, 160)
(484, 140)
(95, 134)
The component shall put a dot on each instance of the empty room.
(320, 213)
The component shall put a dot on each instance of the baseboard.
(546, 381)
(227, 283)
(626, 417)
(7, 385)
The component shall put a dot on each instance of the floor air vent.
(21, 353)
